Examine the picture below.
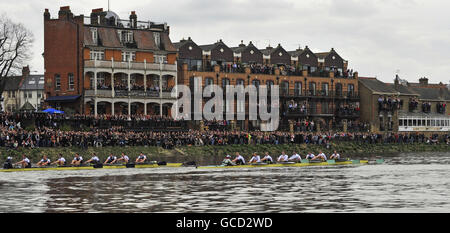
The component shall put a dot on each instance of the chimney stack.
(133, 19)
(65, 13)
(423, 81)
(46, 14)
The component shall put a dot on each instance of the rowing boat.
(304, 163)
(85, 167)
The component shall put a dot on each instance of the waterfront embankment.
(207, 154)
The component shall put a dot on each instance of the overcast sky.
(377, 37)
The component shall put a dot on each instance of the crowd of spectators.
(48, 133)
(390, 103)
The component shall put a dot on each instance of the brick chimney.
(133, 19)
(96, 15)
(25, 71)
(65, 13)
(423, 81)
(46, 14)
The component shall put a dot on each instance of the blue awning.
(64, 98)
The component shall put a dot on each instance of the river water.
(413, 182)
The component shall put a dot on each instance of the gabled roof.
(27, 107)
(12, 83)
(322, 55)
(376, 85)
(432, 93)
(33, 82)
(296, 53)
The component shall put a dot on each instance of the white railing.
(129, 65)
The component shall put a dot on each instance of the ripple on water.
(405, 183)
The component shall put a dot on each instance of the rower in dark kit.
(61, 161)
(111, 159)
(44, 161)
(8, 163)
(141, 158)
(77, 160)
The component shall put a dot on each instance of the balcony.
(128, 65)
(126, 94)
(318, 94)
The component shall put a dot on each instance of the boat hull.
(89, 167)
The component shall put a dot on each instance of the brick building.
(102, 64)
(314, 87)
(405, 107)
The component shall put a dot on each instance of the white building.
(32, 91)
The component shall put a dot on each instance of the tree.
(15, 48)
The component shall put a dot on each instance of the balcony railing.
(126, 93)
(128, 65)
(318, 94)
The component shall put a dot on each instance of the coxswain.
(239, 160)
(61, 161)
(77, 160)
(283, 157)
(123, 158)
(141, 158)
(267, 158)
(227, 161)
(94, 159)
(8, 163)
(25, 162)
(310, 156)
(295, 157)
(111, 159)
(44, 161)
(335, 156)
(321, 156)
(255, 158)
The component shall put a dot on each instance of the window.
(71, 82)
(39, 95)
(125, 36)
(97, 55)
(160, 58)
(157, 37)
(57, 82)
(351, 89)
(209, 81)
(285, 88)
(128, 56)
(240, 82)
(298, 88)
(225, 82)
(312, 88)
(325, 89)
(94, 35)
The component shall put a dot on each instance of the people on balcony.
(440, 107)
(426, 107)
(413, 104)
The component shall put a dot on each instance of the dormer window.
(157, 37)
(94, 35)
(125, 36)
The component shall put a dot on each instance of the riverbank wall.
(215, 154)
